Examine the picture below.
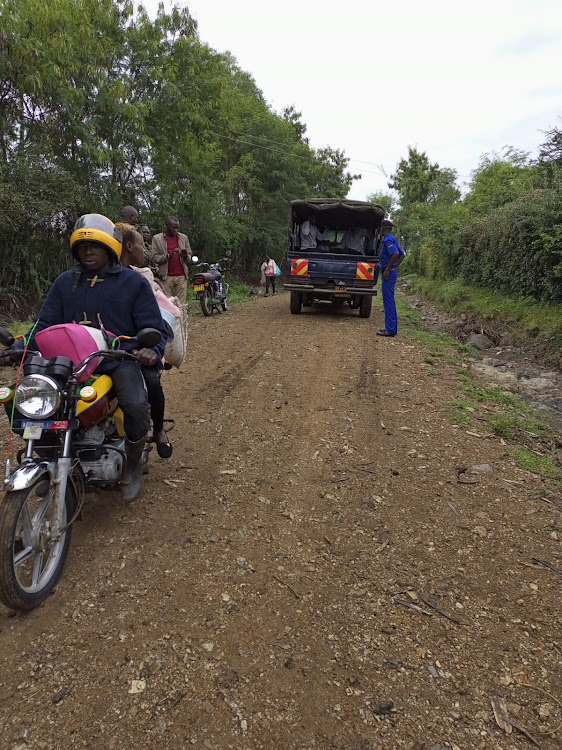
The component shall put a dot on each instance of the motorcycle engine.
(102, 464)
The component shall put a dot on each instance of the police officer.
(391, 257)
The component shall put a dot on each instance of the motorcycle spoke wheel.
(206, 307)
(31, 561)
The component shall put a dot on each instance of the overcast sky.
(455, 80)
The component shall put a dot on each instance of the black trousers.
(155, 397)
(131, 392)
(269, 282)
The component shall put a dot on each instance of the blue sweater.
(120, 299)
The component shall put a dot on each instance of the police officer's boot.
(131, 481)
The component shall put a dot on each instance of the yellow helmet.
(96, 228)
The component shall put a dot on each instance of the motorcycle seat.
(206, 277)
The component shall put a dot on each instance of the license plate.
(341, 289)
(34, 430)
(198, 287)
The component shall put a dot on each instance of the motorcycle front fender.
(27, 474)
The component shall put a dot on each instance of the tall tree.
(102, 105)
(386, 200)
(417, 180)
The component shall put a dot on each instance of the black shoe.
(386, 334)
(164, 450)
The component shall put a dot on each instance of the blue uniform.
(390, 246)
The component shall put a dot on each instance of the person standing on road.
(391, 257)
(269, 269)
(171, 252)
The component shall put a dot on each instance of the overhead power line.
(274, 150)
(282, 143)
(249, 140)
(380, 167)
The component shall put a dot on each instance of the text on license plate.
(199, 287)
(341, 289)
(33, 430)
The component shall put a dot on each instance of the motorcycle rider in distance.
(99, 292)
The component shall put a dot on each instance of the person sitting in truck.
(353, 241)
(310, 235)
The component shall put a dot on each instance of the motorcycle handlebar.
(118, 355)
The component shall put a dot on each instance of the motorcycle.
(210, 287)
(74, 440)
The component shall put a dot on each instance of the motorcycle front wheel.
(31, 562)
(205, 302)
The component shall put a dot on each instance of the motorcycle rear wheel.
(30, 562)
(224, 304)
(205, 302)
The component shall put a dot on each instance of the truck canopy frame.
(337, 213)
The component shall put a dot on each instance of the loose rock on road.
(306, 571)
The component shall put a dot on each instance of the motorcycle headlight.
(37, 396)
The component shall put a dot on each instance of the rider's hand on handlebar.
(145, 357)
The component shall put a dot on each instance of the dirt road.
(306, 571)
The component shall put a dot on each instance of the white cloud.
(373, 77)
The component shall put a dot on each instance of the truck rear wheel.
(365, 306)
(296, 303)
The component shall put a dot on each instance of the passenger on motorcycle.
(99, 292)
(133, 256)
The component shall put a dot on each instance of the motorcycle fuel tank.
(99, 405)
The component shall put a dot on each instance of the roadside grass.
(239, 293)
(438, 344)
(523, 316)
(544, 466)
(502, 413)
(18, 327)
(407, 314)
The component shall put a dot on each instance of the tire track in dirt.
(313, 472)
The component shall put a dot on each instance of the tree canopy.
(102, 106)
(505, 233)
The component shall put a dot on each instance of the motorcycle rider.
(99, 292)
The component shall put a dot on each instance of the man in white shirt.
(353, 240)
(310, 234)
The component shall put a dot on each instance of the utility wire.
(252, 138)
(281, 143)
(274, 150)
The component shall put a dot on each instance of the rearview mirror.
(194, 259)
(228, 253)
(148, 338)
(6, 337)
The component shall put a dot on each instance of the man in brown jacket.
(171, 253)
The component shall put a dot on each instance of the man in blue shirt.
(391, 257)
